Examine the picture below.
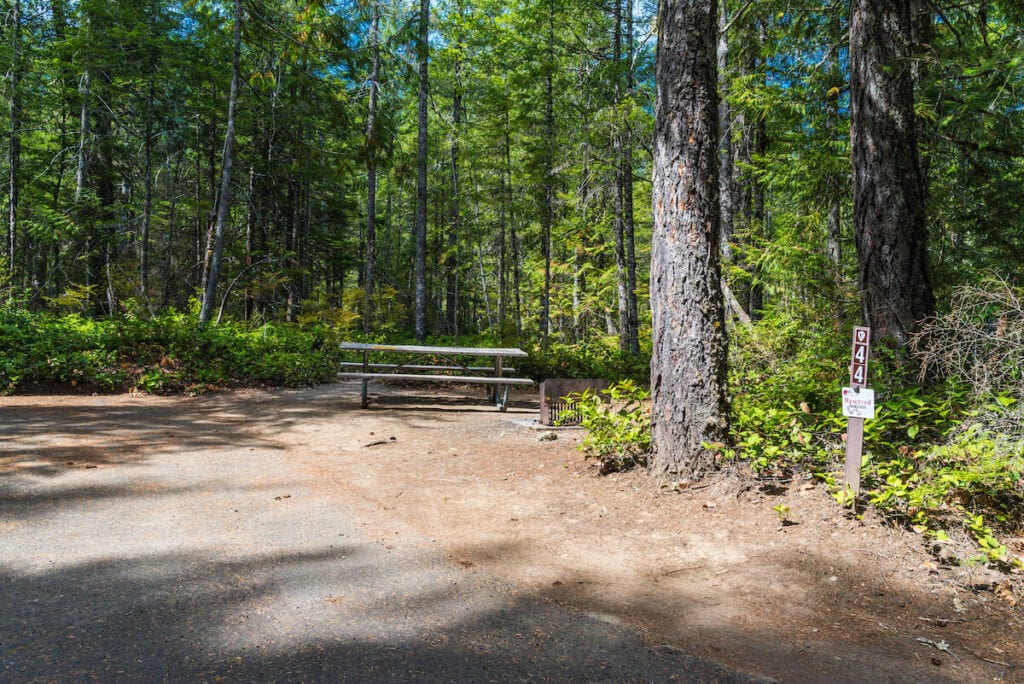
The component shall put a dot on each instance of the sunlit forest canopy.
(539, 118)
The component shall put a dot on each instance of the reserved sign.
(859, 404)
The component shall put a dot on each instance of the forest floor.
(708, 570)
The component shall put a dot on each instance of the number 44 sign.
(861, 351)
(858, 400)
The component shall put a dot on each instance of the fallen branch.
(987, 660)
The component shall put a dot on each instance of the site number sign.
(861, 352)
(858, 405)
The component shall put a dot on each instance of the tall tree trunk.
(420, 228)
(725, 148)
(629, 226)
(889, 192)
(147, 201)
(548, 204)
(579, 277)
(199, 259)
(105, 224)
(52, 273)
(759, 191)
(454, 217)
(619, 229)
(502, 260)
(82, 166)
(517, 278)
(688, 366)
(836, 181)
(165, 297)
(250, 241)
(14, 143)
(371, 171)
(504, 216)
(82, 161)
(224, 198)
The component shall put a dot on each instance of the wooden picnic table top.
(506, 352)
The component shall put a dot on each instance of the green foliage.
(164, 353)
(618, 425)
(596, 359)
(933, 460)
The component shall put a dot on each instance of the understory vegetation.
(944, 455)
(163, 353)
(176, 225)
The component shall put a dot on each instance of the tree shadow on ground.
(48, 439)
(872, 630)
(348, 613)
(337, 615)
(167, 577)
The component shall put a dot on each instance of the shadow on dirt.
(244, 572)
(46, 440)
(343, 615)
(333, 615)
(789, 652)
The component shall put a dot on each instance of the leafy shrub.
(597, 359)
(165, 353)
(934, 461)
(618, 425)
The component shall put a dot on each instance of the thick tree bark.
(420, 228)
(688, 366)
(889, 191)
(224, 198)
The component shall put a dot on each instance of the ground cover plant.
(944, 458)
(168, 352)
(944, 455)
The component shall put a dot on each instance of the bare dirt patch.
(709, 569)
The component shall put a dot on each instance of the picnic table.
(435, 364)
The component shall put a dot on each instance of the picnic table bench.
(450, 369)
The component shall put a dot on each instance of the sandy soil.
(708, 570)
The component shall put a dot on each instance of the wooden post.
(855, 426)
(364, 399)
(500, 390)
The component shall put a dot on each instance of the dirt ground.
(708, 570)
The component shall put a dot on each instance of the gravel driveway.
(174, 539)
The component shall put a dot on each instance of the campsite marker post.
(858, 405)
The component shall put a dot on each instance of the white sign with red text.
(859, 404)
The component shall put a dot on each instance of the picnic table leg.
(500, 396)
(364, 399)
